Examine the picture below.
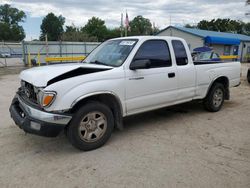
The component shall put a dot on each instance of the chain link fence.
(11, 54)
(19, 54)
(37, 51)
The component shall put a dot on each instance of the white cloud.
(158, 11)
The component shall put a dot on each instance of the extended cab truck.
(121, 77)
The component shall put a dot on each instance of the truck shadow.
(139, 122)
(166, 114)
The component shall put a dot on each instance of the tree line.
(53, 27)
(94, 30)
(223, 25)
(10, 17)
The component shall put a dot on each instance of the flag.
(127, 22)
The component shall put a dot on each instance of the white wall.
(244, 49)
(192, 40)
(219, 48)
(196, 41)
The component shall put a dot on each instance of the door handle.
(171, 74)
(136, 78)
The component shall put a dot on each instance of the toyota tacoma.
(121, 77)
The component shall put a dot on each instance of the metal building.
(221, 42)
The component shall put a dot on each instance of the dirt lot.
(181, 146)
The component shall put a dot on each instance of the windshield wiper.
(99, 63)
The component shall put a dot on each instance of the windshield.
(204, 56)
(111, 53)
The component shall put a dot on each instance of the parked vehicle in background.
(208, 56)
(5, 55)
(205, 54)
(121, 77)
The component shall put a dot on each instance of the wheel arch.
(225, 82)
(108, 98)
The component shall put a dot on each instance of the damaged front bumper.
(36, 121)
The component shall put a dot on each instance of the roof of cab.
(148, 37)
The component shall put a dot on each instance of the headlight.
(46, 98)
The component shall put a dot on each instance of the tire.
(215, 98)
(91, 126)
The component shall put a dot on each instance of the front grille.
(28, 92)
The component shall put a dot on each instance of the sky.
(161, 12)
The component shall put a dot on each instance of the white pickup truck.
(121, 77)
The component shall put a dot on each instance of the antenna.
(171, 33)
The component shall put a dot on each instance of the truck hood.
(46, 75)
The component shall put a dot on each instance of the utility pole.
(126, 27)
(154, 28)
(126, 32)
(47, 47)
(171, 34)
(121, 25)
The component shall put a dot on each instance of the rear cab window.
(180, 53)
(157, 51)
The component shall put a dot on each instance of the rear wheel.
(215, 98)
(91, 126)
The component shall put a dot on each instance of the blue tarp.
(202, 49)
(221, 40)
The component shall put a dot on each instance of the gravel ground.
(181, 146)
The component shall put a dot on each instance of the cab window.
(157, 51)
(180, 53)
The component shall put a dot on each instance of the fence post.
(24, 56)
(29, 60)
(47, 46)
(60, 48)
(38, 58)
(85, 49)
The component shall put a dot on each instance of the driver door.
(154, 86)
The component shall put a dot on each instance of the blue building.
(223, 43)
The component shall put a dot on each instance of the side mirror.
(140, 64)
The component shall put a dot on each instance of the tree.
(247, 3)
(9, 19)
(95, 27)
(113, 33)
(190, 26)
(140, 26)
(223, 25)
(247, 28)
(73, 33)
(52, 26)
(71, 28)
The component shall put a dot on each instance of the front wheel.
(91, 126)
(215, 98)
